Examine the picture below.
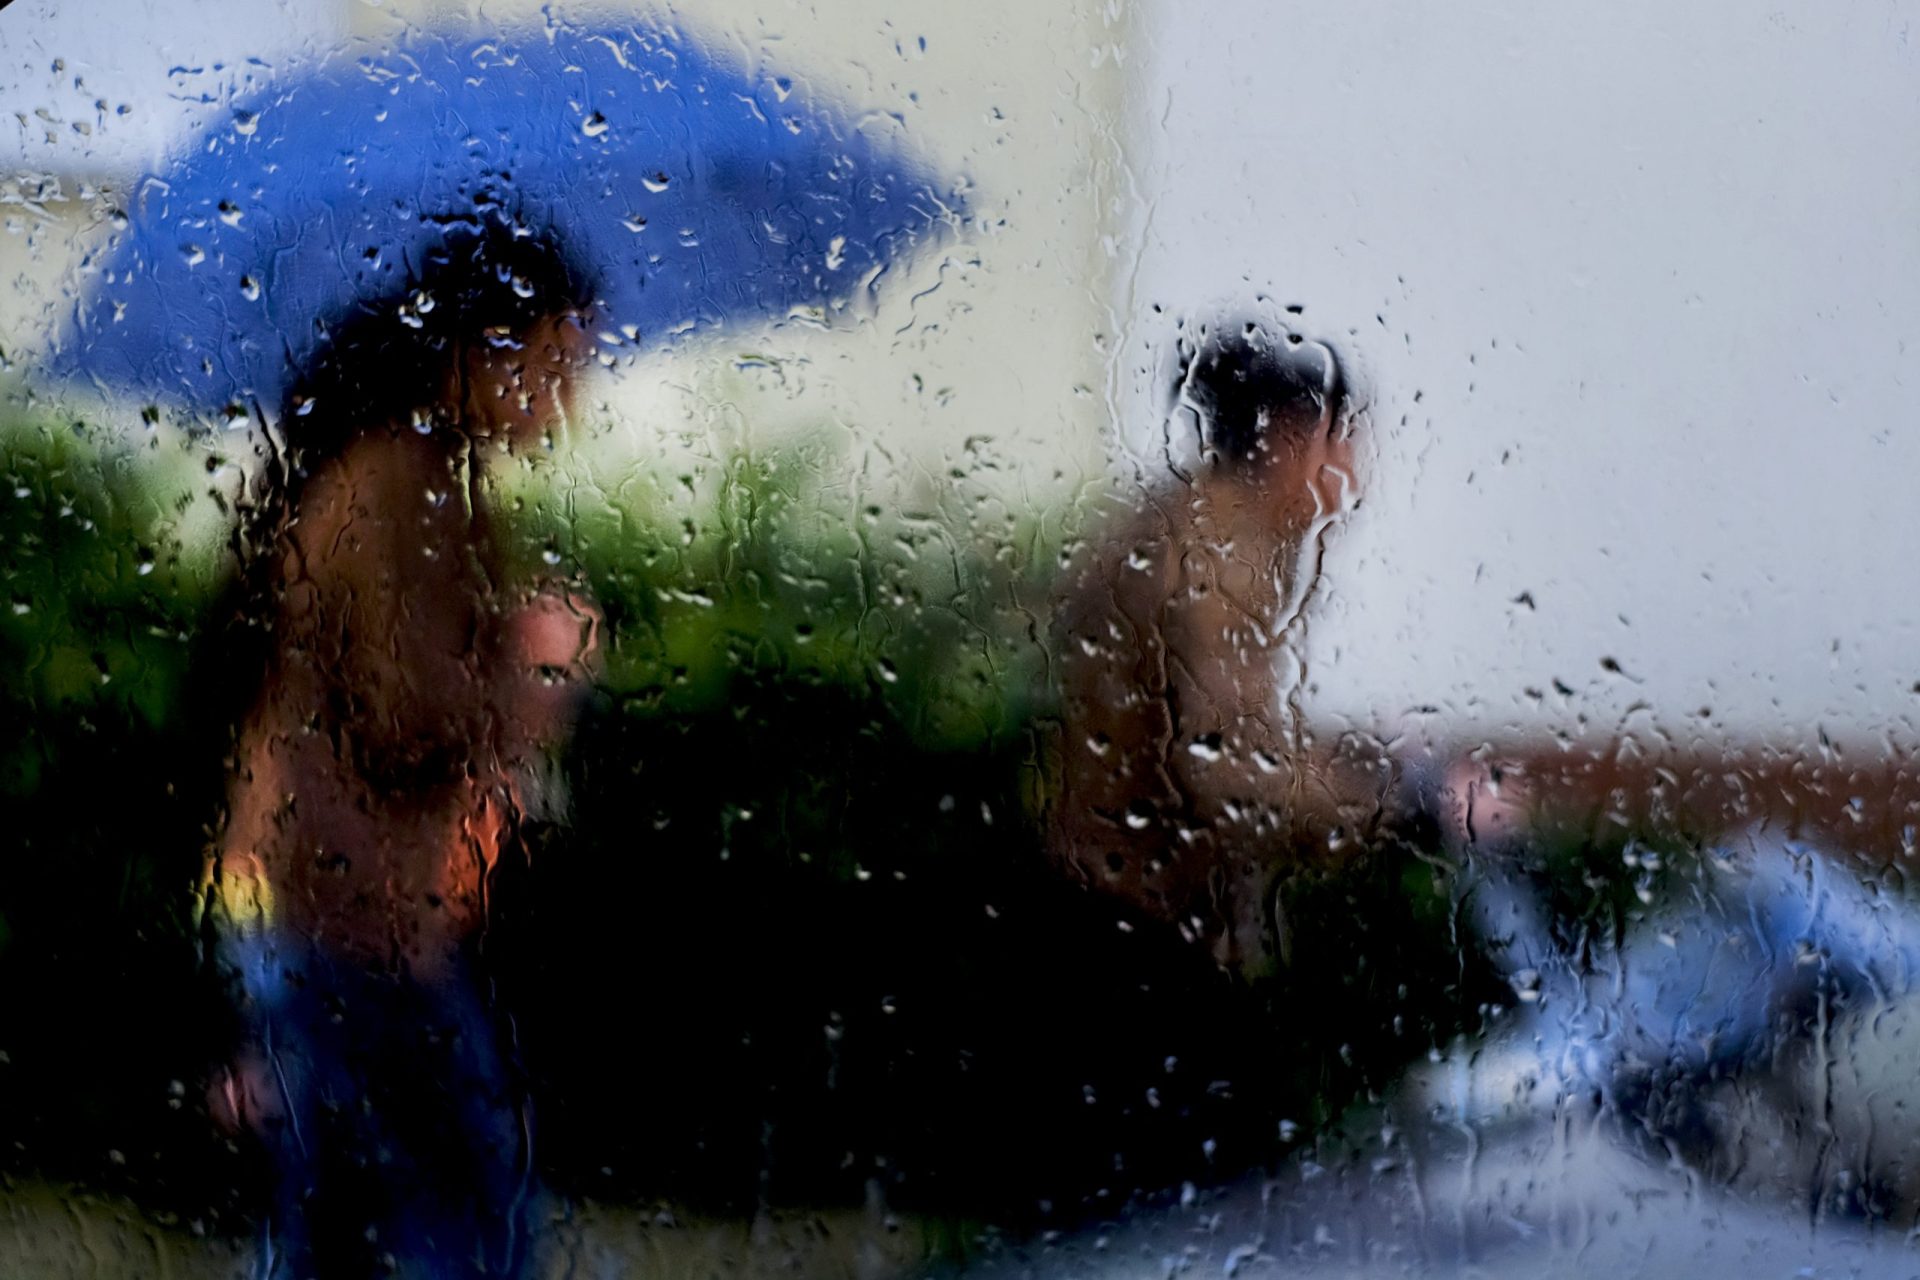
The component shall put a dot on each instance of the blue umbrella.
(692, 191)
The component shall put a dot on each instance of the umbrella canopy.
(689, 190)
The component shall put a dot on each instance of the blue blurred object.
(692, 191)
(1759, 940)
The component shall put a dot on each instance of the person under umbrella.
(407, 689)
(378, 259)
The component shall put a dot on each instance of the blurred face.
(1311, 470)
(1273, 434)
(522, 387)
(1297, 477)
(520, 390)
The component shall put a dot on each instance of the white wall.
(1635, 290)
(120, 80)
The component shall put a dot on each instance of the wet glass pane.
(1050, 639)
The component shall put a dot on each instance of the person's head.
(1258, 395)
(485, 338)
(387, 595)
(1273, 430)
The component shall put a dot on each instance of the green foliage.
(108, 568)
(100, 593)
(756, 607)
(765, 567)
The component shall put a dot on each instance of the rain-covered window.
(1033, 639)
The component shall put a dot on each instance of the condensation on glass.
(1056, 641)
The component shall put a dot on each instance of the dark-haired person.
(405, 686)
(1181, 770)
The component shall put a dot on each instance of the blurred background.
(1624, 300)
(1626, 266)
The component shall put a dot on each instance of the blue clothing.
(405, 1143)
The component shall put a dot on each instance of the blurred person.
(1186, 774)
(1709, 941)
(406, 691)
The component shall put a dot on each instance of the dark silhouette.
(1183, 774)
(405, 689)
